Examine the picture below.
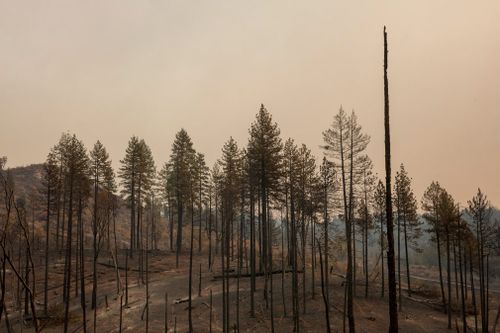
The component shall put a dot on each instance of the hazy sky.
(111, 69)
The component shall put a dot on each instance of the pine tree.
(51, 178)
(430, 206)
(448, 218)
(406, 207)
(167, 194)
(346, 144)
(179, 180)
(76, 166)
(202, 173)
(231, 167)
(264, 161)
(102, 175)
(128, 174)
(306, 165)
(290, 175)
(365, 221)
(328, 184)
(479, 209)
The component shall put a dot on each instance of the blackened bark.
(190, 319)
(324, 272)
(68, 255)
(448, 271)
(46, 288)
(393, 305)
(441, 282)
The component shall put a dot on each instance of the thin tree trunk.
(464, 322)
(240, 258)
(283, 266)
(82, 269)
(382, 256)
(325, 222)
(46, 288)
(400, 295)
(303, 262)
(178, 247)
(354, 264)
(211, 307)
(223, 269)
(68, 255)
(270, 263)
(210, 232)
(472, 289)
(147, 279)
(448, 271)
(487, 297)
(324, 272)
(165, 320)
(199, 281)
(132, 212)
(121, 311)
(190, 318)
(199, 223)
(252, 254)
(455, 268)
(441, 282)
(295, 287)
(126, 277)
(407, 256)
(313, 265)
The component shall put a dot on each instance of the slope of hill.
(29, 187)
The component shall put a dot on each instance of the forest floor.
(420, 313)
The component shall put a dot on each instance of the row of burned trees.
(252, 201)
(79, 199)
(469, 238)
(270, 191)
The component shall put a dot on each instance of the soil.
(418, 314)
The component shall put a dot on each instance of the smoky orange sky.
(111, 69)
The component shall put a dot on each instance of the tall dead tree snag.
(393, 305)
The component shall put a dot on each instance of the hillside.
(29, 188)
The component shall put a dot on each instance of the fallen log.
(130, 269)
(435, 304)
(181, 300)
(233, 276)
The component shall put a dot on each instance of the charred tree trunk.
(178, 247)
(295, 283)
(400, 295)
(82, 270)
(270, 263)
(126, 277)
(441, 282)
(283, 266)
(210, 232)
(393, 305)
(382, 256)
(252, 254)
(324, 272)
(448, 271)
(464, 322)
(472, 289)
(45, 285)
(190, 319)
(147, 278)
(407, 256)
(68, 256)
